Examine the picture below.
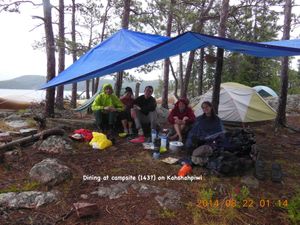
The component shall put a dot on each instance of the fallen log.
(39, 136)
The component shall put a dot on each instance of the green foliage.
(294, 209)
(167, 214)
(294, 82)
(206, 194)
(242, 194)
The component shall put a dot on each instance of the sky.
(17, 37)
(17, 56)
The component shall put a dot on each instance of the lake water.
(27, 95)
(33, 95)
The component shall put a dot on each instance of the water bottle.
(156, 144)
(163, 143)
(153, 135)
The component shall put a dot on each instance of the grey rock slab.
(113, 191)
(55, 144)
(50, 172)
(28, 199)
(13, 117)
(170, 200)
(146, 189)
(17, 123)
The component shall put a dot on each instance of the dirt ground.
(209, 201)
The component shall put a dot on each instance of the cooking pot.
(175, 146)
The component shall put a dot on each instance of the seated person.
(144, 110)
(181, 117)
(105, 107)
(207, 125)
(127, 99)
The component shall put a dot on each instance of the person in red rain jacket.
(181, 116)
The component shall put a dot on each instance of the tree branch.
(38, 17)
(15, 4)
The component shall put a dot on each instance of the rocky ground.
(58, 181)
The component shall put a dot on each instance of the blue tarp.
(128, 49)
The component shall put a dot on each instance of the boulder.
(50, 172)
(55, 145)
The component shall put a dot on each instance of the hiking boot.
(259, 172)
(276, 174)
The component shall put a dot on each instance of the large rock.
(55, 145)
(50, 172)
(28, 199)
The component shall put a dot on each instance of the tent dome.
(265, 91)
(239, 103)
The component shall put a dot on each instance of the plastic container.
(175, 146)
(184, 170)
(156, 155)
(153, 135)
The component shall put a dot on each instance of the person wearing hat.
(127, 99)
(106, 106)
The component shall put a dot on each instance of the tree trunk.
(197, 27)
(137, 89)
(220, 53)
(281, 117)
(50, 51)
(102, 37)
(184, 89)
(125, 24)
(165, 90)
(61, 53)
(87, 89)
(74, 55)
(200, 73)
(176, 81)
(180, 74)
(33, 138)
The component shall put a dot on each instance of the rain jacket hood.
(106, 86)
(104, 100)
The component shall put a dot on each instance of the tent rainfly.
(265, 91)
(239, 103)
(128, 49)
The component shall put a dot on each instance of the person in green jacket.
(106, 106)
